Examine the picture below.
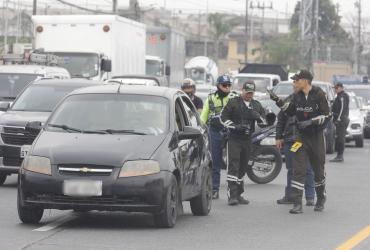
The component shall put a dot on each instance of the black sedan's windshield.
(41, 98)
(112, 114)
(13, 83)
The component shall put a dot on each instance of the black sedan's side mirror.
(4, 106)
(189, 133)
(33, 127)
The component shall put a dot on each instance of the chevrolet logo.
(85, 170)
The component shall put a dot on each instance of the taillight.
(106, 28)
(39, 29)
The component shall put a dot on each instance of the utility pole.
(262, 7)
(246, 32)
(6, 27)
(206, 37)
(306, 23)
(316, 32)
(114, 6)
(359, 42)
(34, 10)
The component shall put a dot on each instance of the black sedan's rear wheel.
(201, 204)
(167, 218)
(28, 214)
(2, 178)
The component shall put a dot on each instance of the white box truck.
(93, 46)
(165, 48)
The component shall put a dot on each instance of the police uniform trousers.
(312, 150)
(340, 135)
(238, 154)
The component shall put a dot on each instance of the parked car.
(13, 78)
(362, 91)
(127, 148)
(34, 103)
(367, 125)
(142, 80)
(284, 89)
(355, 129)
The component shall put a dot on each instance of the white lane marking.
(55, 224)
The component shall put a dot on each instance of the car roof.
(137, 77)
(258, 75)
(356, 86)
(313, 82)
(128, 89)
(67, 82)
(31, 69)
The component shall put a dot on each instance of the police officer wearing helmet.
(239, 117)
(311, 108)
(188, 86)
(211, 116)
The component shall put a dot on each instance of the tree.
(219, 28)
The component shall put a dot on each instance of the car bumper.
(132, 194)
(353, 134)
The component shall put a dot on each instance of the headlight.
(37, 164)
(139, 168)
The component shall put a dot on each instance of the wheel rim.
(173, 203)
(264, 165)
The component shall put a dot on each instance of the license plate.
(25, 149)
(82, 188)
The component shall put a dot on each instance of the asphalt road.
(261, 225)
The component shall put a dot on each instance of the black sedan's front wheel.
(167, 218)
(28, 214)
(201, 204)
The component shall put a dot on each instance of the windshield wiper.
(65, 127)
(123, 131)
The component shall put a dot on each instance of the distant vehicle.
(202, 70)
(260, 68)
(119, 148)
(284, 89)
(361, 90)
(13, 78)
(262, 81)
(34, 103)
(98, 46)
(350, 79)
(355, 129)
(165, 50)
(142, 80)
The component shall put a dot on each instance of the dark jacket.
(304, 109)
(198, 103)
(341, 107)
(237, 113)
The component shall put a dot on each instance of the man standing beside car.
(340, 111)
(312, 112)
(211, 116)
(286, 135)
(239, 117)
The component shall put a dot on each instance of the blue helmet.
(223, 79)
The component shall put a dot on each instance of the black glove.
(241, 128)
(273, 96)
(304, 124)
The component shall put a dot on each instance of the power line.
(83, 8)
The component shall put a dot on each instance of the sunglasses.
(226, 85)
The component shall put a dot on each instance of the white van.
(13, 78)
(262, 81)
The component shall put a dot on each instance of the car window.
(181, 120)
(190, 112)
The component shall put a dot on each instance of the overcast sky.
(280, 7)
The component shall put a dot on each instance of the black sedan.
(118, 148)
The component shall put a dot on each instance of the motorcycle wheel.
(267, 165)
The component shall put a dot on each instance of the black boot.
(338, 158)
(233, 194)
(285, 200)
(242, 200)
(321, 198)
(297, 208)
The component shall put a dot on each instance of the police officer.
(312, 112)
(340, 116)
(286, 135)
(211, 116)
(239, 116)
(188, 86)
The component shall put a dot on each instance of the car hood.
(21, 118)
(95, 149)
(355, 114)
